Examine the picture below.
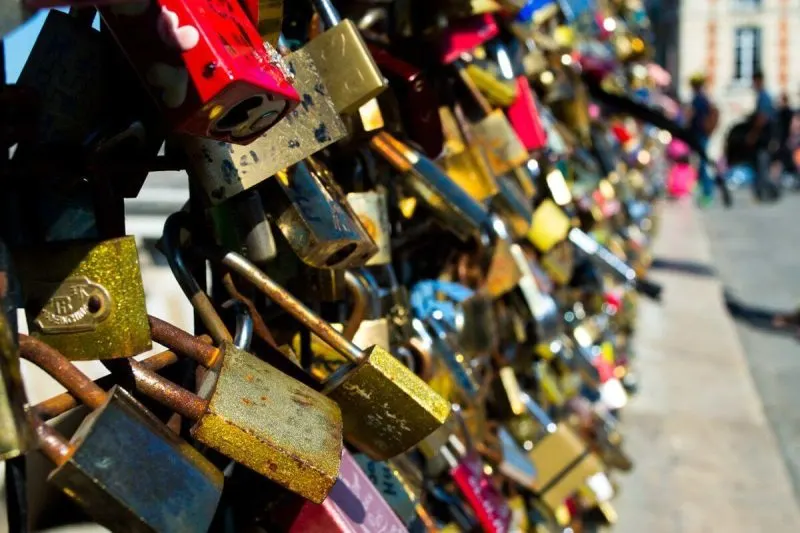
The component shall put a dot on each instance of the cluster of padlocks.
(414, 241)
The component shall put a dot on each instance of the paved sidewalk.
(706, 458)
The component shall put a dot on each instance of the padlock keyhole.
(95, 304)
(240, 113)
(341, 255)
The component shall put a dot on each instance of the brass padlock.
(86, 298)
(493, 131)
(386, 408)
(497, 92)
(108, 466)
(317, 221)
(451, 205)
(562, 460)
(225, 169)
(464, 161)
(253, 413)
(344, 61)
(15, 433)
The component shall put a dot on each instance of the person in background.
(785, 117)
(703, 118)
(759, 138)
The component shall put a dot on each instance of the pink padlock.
(524, 117)
(479, 491)
(462, 36)
(205, 64)
(354, 505)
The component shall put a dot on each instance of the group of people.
(766, 140)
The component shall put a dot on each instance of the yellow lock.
(550, 225)
(86, 299)
(497, 92)
(464, 161)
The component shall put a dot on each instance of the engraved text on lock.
(77, 305)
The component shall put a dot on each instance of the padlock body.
(208, 68)
(86, 299)
(386, 408)
(484, 499)
(354, 505)
(226, 169)
(463, 36)
(465, 163)
(317, 220)
(524, 117)
(346, 66)
(273, 424)
(549, 226)
(131, 473)
(402, 491)
(503, 148)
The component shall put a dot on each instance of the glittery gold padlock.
(86, 299)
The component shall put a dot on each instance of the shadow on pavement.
(684, 267)
(762, 318)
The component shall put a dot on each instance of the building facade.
(729, 40)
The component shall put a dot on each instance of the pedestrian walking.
(703, 120)
(785, 119)
(759, 139)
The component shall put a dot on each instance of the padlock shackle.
(171, 245)
(62, 370)
(321, 328)
(176, 339)
(360, 293)
(167, 393)
(469, 84)
(52, 444)
(401, 161)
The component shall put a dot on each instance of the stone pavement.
(706, 457)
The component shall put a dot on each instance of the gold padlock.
(563, 461)
(465, 161)
(224, 170)
(550, 225)
(498, 93)
(86, 299)
(386, 408)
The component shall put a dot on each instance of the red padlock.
(206, 65)
(464, 35)
(524, 117)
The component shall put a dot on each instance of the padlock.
(514, 206)
(344, 61)
(317, 221)
(463, 160)
(550, 225)
(492, 129)
(400, 483)
(451, 205)
(498, 92)
(372, 210)
(508, 457)
(253, 413)
(413, 90)
(386, 408)
(226, 169)
(562, 460)
(109, 466)
(466, 471)
(208, 68)
(354, 505)
(537, 12)
(462, 36)
(86, 298)
(15, 434)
